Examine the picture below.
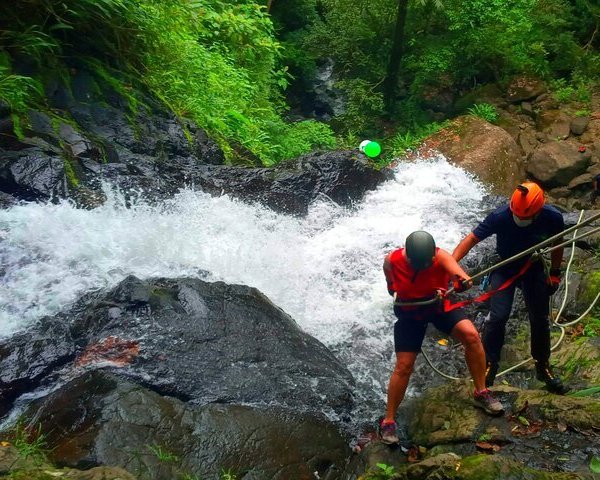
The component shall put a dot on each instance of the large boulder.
(524, 88)
(554, 123)
(27, 358)
(483, 149)
(32, 173)
(555, 164)
(342, 176)
(194, 340)
(100, 419)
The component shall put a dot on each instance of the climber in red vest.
(419, 272)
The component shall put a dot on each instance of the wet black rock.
(100, 418)
(342, 176)
(145, 151)
(28, 357)
(213, 342)
(197, 341)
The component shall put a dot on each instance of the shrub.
(485, 111)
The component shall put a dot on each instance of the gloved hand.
(553, 281)
(460, 284)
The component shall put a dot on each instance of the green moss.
(70, 173)
(591, 287)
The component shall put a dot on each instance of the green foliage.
(564, 92)
(485, 111)
(228, 475)
(383, 472)
(364, 106)
(595, 464)
(585, 393)
(449, 46)
(214, 61)
(30, 442)
(301, 137)
(583, 113)
(17, 91)
(591, 327)
(162, 454)
(411, 139)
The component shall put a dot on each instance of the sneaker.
(553, 382)
(486, 401)
(387, 430)
(490, 373)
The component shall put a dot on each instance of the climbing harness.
(536, 252)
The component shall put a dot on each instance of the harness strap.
(448, 307)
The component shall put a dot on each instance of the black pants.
(535, 292)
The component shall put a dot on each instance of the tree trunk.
(391, 79)
(269, 5)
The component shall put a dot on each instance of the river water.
(323, 269)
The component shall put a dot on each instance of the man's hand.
(461, 284)
(553, 281)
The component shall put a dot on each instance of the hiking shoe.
(388, 432)
(553, 382)
(490, 373)
(486, 401)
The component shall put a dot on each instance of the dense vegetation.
(226, 64)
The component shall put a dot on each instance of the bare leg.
(399, 381)
(466, 333)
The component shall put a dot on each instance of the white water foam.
(324, 269)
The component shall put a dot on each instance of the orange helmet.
(527, 200)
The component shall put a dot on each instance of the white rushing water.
(324, 269)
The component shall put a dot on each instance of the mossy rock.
(582, 413)
(590, 286)
(97, 473)
(15, 466)
(580, 361)
(449, 466)
(446, 415)
(492, 467)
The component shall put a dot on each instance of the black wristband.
(555, 272)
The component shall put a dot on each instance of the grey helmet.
(420, 249)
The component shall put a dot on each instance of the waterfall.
(323, 269)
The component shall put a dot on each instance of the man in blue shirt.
(525, 222)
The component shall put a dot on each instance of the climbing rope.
(536, 251)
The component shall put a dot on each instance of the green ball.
(372, 149)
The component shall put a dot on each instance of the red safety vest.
(412, 285)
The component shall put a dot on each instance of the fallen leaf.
(446, 425)
(532, 429)
(523, 420)
(562, 427)
(488, 447)
(443, 342)
(5, 444)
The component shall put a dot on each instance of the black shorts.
(409, 329)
